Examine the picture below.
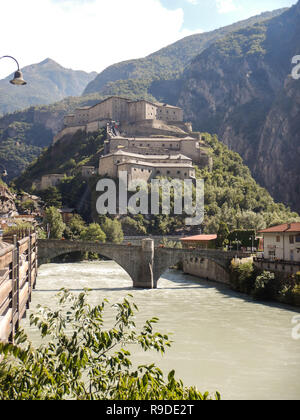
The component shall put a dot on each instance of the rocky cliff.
(7, 201)
(241, 88)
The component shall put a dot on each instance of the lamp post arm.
(9, 56)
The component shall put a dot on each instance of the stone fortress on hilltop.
(143, 138)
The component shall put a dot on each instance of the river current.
(222, 340)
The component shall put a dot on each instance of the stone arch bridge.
(144, 263)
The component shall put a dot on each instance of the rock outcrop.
(7, 202)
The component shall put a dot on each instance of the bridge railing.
(18, 271)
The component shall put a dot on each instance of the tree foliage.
(93, 233)
(112, 229)
(54, 222)
(83, 359)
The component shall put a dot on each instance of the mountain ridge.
(241, 89)
(168, 62)
(48, 82)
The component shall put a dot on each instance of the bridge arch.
(215, 264)
(122, 255)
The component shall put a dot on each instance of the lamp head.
(18, 79)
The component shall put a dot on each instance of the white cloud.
(226, 6)
(85, 34)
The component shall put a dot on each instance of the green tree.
(93, 233)
(133, 227)
(54, 223)
(28, 205)
(51, 197)
(113, 230)
(76, 226)
(223, 234)
(83, 360)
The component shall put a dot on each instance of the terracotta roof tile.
(200, 238)
(286, 227)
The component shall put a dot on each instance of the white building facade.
(282, 242)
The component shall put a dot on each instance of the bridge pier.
(145, 278)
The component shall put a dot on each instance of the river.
(223, 341)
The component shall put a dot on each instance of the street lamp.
(18, 77)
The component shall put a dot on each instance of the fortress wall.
(96, 125)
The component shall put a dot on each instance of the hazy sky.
(93, 34)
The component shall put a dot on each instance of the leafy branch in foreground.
(84, 360)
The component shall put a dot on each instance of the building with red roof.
(282, 242)
(200, 241)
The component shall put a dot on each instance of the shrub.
(83, 360)
(243, 277)
(265, 286)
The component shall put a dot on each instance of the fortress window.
(168, 172)
(178, 172)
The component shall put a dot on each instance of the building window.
(298, 238)
(277, 238)
(291, 239)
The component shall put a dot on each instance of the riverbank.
(265, 285)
